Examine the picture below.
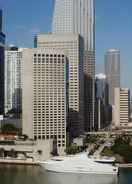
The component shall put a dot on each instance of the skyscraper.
(2, 45)
(101, 86)
(13, 88)
(72, 45)
(45, 95)
(112, 72)
(103, 113)
(77, 16)
(2, 35)
(0, 20)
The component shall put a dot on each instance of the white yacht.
(81, 163)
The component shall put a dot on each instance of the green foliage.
(72, 150)
(91, 139)
(122, 140)
(9, 128)
(122, 147)
(107, 152)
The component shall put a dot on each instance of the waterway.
(36, 175)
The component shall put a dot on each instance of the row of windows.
(48, 55)
(48, 120)
(55, 127)
(45, 136)
(52, 127)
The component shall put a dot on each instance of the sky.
(25, 18)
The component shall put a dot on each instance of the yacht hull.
(76, 170)
(79, 164)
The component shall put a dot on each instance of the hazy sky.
(24, 18)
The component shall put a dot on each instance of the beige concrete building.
(72, 45)
(45, 96)
(121, 108)
(78, 16)
(25, 151)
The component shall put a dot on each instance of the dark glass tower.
(2, 44)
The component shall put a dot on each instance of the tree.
(72, 150)
(9, 128)
(123, 148)
(107, 152)
(91, 139)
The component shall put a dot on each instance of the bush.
(9, 128)
(122, 147)
(107, 152)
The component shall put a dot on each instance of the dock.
(125, 165)
(18, 161)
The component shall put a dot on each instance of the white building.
(45, 96)
(121, 107)
(78, 16)
(72, 45)
(13, 89)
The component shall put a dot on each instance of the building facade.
(103, 113)
(75, 16)
(121, 107)
(13, 86)
(2, 47)
(45, 96)
(0, 20)
(78, 16)
(72, 45)
(112, 72)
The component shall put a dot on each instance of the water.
(36, 175)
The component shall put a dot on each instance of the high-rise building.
(112, 72)
(2, 35)
(78, 16)
(45, 95)
(0, 20)
(2, 45)
(103, 113)
(75, 16)
(101, 86)
(121, 107)
(72, 45)
(13, 88)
